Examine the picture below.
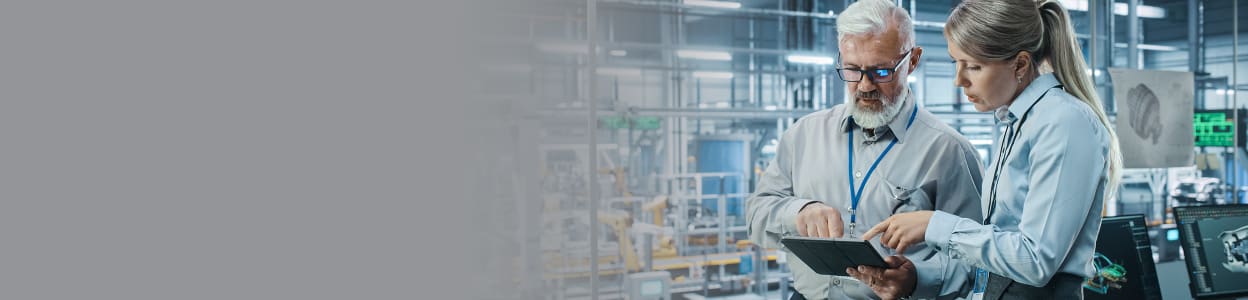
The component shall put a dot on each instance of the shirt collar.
(1029, 96)
(897, 126)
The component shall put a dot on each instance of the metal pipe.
(592, 166)
(1193, 29)
(754, 78)
(1235, 88)
(1133, 34)
(1093, 30)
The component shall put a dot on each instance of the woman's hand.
(901, 230)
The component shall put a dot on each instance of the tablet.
(830, 256)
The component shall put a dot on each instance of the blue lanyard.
(854, 196)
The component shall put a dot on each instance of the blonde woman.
(1056, 162)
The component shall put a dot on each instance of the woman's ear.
(1023, 64)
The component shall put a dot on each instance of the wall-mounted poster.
(1154, 122)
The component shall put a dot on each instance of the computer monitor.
(1215, 246)
(1123, 261)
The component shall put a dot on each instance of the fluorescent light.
(930, 24)
(618, 52)
(1079, 5)
(716, 4)
(1143, 11)
(712, 75)
(609, 71)
(810, 59)
(769, 107)
(564, 47)
(706, 55)
(1121, 9)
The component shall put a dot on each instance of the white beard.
(876, 119)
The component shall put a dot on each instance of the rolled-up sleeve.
(1063, 181)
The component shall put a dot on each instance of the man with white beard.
(840, 171)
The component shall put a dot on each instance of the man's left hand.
(895, 282)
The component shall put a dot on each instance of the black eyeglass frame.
(869, 73)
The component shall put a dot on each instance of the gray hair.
(868, 17)
(997, 30)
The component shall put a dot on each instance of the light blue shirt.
(1049, 194)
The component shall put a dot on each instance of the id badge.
(981, 284)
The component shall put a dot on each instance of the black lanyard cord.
(1004, 151)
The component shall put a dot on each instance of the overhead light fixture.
(618, 72)
(1143, 11)
(712, 75)
(705, 55)
(810, 59)
(715, 4)
(564, 47)
(618, 52)
(1121, 9)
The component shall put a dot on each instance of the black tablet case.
(832, 256)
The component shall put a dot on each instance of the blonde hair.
(997, 30)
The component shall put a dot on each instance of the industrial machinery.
(1198, 191)
(1236, 243)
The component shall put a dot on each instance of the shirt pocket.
(906, 197)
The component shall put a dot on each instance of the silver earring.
(1020, 79)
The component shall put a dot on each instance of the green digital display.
(1214, 128)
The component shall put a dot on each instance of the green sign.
(646, 123)
(1214, 128)
(621, 122)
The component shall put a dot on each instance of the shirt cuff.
(929, 278)
(940, 229)
(789, 215)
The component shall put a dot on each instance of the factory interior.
(640, 128)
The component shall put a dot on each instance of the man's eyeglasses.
(875, 75)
